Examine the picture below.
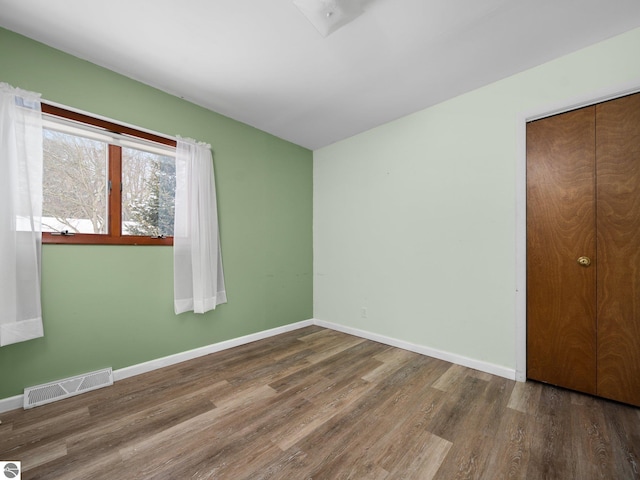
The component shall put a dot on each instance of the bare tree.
(75, 181)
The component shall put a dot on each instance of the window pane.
(75, 194)
(148, 193)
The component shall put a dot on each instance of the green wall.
(113, 305)
(416, 220)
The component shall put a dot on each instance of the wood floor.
(319, 404)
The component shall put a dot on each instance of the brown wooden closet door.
(561, 294)
(618, 211)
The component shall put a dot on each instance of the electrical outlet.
(363, 312)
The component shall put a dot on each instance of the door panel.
(561, 294)
(618, 213)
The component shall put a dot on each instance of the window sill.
(92, 239)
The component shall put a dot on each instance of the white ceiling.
(263, 63)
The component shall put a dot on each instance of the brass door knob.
(584, 261)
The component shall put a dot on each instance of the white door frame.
(521, 201)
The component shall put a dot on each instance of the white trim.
(598, 96)
(521, 251)
(423, 350)
(11, 403)
(16, 402)
(151, 365)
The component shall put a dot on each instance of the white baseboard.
(12, 403)
(16, 402)
(206, 350)
(428, 351)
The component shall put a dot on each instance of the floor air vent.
(50, 392)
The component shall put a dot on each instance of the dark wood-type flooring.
(319, 404)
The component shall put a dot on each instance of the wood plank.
(401, 415)
(46, 430)
(624, 440)
(468, 458)
(525, 396)
(552, 437)
(511, 453)
(392, 359)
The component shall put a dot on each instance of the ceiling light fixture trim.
(329, 15)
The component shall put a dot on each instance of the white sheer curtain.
(20, 215)
(198, 280)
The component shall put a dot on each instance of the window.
(105, 183)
